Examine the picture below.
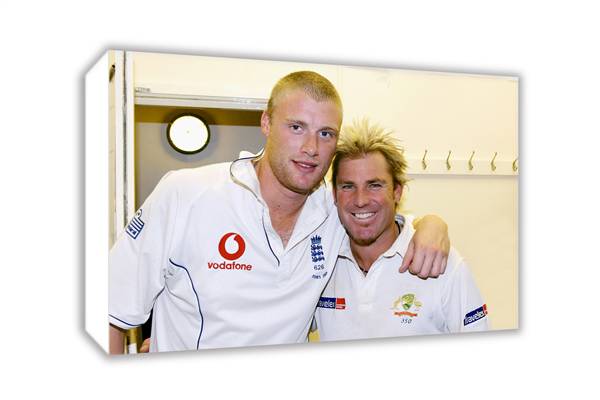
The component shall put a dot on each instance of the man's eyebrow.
(295, 121)
(304, 124)
(329, 128)
(376, 180)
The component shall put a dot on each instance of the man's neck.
(284, 204)
(366, 255)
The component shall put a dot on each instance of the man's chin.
(361, 241)
(301, 190)
(305, 187)
(364, 242)
(308, 181)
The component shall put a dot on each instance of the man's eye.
(375, 186)
(327, 134)
(295, 127)
(346, 187)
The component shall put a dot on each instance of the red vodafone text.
(229, 265)
(232, 265)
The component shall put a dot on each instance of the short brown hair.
(362, 138)
(315, 85)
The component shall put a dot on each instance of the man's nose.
(310, 145)
(361, 198)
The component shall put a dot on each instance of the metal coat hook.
(111, 73)
(515, 167)
(448, 166)
(423, 163)
(493, 159)
(471, 161)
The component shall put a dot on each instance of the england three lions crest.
(318, 257)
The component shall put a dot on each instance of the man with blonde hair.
(237, 254)
(366, 297)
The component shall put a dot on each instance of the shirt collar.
(242, 172)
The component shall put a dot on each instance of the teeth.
(363, 215)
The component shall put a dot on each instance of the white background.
(47, 48)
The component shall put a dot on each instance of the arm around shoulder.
(428, 250)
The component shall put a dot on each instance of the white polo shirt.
(385, 303)
(202, 252)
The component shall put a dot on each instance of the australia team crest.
(407, 307)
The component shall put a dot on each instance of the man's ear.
(397, 192)
(265, 124)
(334, 193)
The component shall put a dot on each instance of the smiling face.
(301, 139)
(366, 198)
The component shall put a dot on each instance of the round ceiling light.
(188, 134)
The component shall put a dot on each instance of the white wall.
(482, 215)
(213, 76)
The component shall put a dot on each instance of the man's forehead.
(318, 115)
(369, 167)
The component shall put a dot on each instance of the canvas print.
(255, 202)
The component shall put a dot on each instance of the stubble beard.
(285, 177)
(360, 241)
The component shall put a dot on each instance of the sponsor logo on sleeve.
(475, 315)
(135, 226)
(338, 303)
(231, 247)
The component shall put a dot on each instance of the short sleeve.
(139, 257)
(462, 304)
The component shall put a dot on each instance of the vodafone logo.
(231, 241)
(241, 246)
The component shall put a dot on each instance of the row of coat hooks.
(424, 164)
